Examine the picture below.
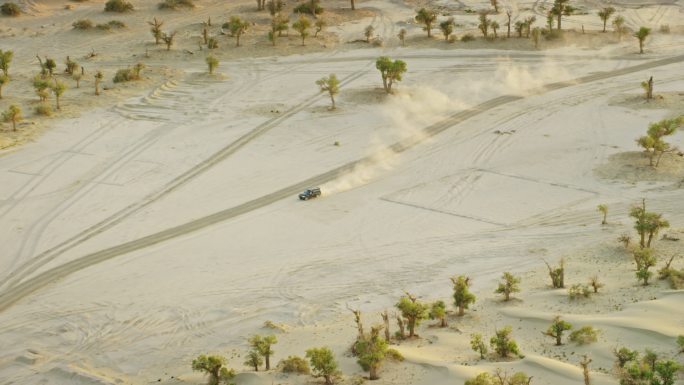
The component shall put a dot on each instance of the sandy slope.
(219, 160)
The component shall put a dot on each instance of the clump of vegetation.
(503, 343)
(641, 35)
(625, 239)
(478, 344)
(413, 311)
(653, 142)
(584, 335)
(214, 367)
(508, 285)
(41, 85)
(12, 115)
(371, 351)
(619, 26)
(644, 260)
(578, 291)
(467, 37)
(156, 29)
(128, 74)
(58, 88)
(71, 66)
(647, 85)
(438, 312)
(462, 295)
(4, 79)
(603, 209)
(212, 63)
(402, 36)
(10, 9)
(649, 370)
(98, 78)
(118, 6)
(557, 274)
(237, 27)
(168, 39)
(447, 27)
(253, 360)
(595, 283)
(5, 60)
(323, 364)
(624, 355)
(83, 24)
(426, 17)
(680, 343)
(605, 14)
(262, 345)
(302, 26)
(294, 364)
(391, 71)
(500, 378)
(331, 85)
(309, 7)
(647, 223)
(557, 328)
(176, 4)
(112, 24)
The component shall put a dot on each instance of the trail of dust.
(408, 110)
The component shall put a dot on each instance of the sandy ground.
(159, 221)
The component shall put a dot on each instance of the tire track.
(25, 288)
(50, 254)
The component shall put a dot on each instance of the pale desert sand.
(160, 221)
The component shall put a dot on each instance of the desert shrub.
(212, 43)
(578, 291)
(83, 24)
(557, 274)
(503, 344)
(118, 6)
(128, 74)
(323, 364)
(680, 343)
(413, 310)
(508, 285)
(110, 25)
(595, 283)
(175, 4)
(10, 9)
(294, 364)
(584, 335)
(214, 367)
(625, 239)
(394, 355)
(624, 355)
(500, 378)
(467, 37)
(478, 344)
(43, 109)
(665, 28)
(308, 8)
(557, 328)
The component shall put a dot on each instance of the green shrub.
(294, 364)
(10, 9)
(175, 4)
(111, 24)
(83, 24)
(584, 335)
(306, 8)
(394, 354)
(467, 37)
(128, 74)
(118, 6)
(579, 291)
(43, 109)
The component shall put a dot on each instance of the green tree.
(302, 26)
(561, 8)
(641, 35)
(237, 28)
(644, 260)
(253, 360)
(42, 86)
(557, 328)
(605, 14)
(323, 363)
(391, 71)
(212, 63)
(508, 285)
(319, 24)
(413, 310)
(647, 223)
(653, 141)
(447, 27)
(13, 115)
(680, 343)
(503, 344)
(215, 367)
(427, 17)
(156, 29)
(485, 23)
(666, 372)
(50, 65)
(58, 88)
(438, 312)
(624, 355)
(495, 26)
(478, 344)
(5, 60)
(331, 85)
(4, 79)
(275, 7)
(519, 27)
(263, 345)
(371, 351)
(462, 295)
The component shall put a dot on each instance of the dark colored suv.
(310, 193)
